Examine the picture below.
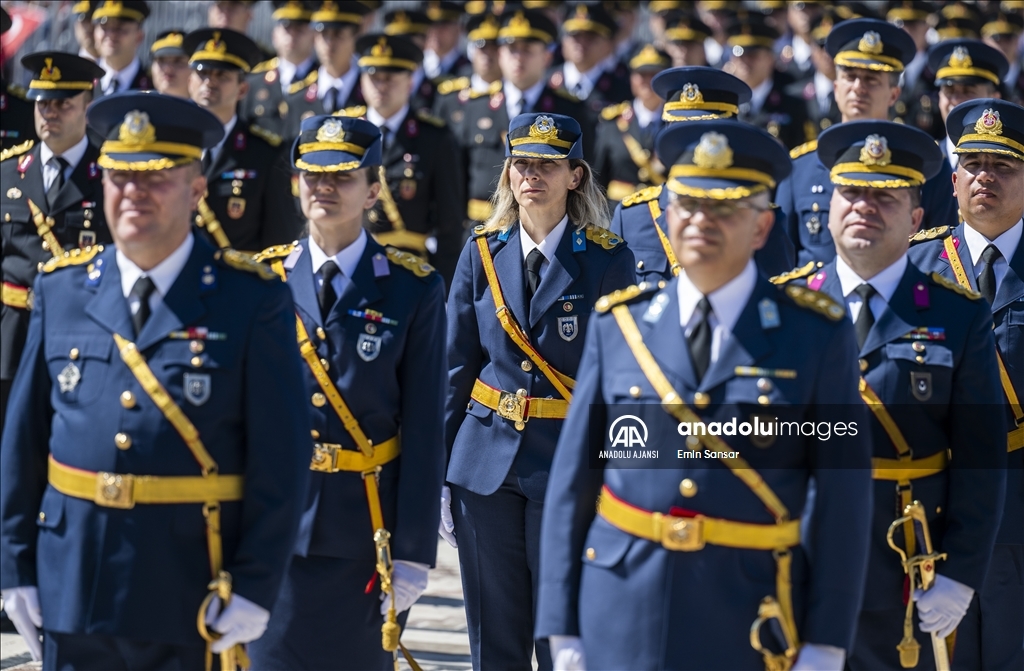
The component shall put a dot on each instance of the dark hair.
(915, 197)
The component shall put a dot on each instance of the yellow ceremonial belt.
(44, 227)
(221, 584)
(770, 608)
(518, 407)
(562, 383)
(1015, 438)
(16, 297)
(642, 159)
(911, 469)
(478, 210)
(208, 220)
(673, 263)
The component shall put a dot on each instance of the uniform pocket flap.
(71, 346)
(606, 545)
(931, 354)
(51, 510)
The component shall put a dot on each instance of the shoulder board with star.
(453, 85)
(805, 148)
(947, 283)
(17, 91)
(427, 117)
(796, 273)
(16, 150)
(354, 111)
(620, 296)
(75, 257)
(410, 262)
(936, 233)
(642, 196)
(239, 261)
(275, 252)
(308, 81)
(271, 138)
(816, 301)
(604, 238)
(268, 64)
(614, 111)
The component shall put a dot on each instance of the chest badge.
(236, 207)
(14, 193)
(814, 225)
(69, 378)
(921, 385)
(197, 388)
(368, 346)
(569, 327)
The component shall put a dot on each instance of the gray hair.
(585, 204)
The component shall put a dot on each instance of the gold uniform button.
(320, 333)
(127, 399)
(315, 434)
(196, 347)
(591, 552)
(46, 246)
(634, 391)
(526, 365)
(919, 358)
(764, 400)
(688, 488)
(319, 400)
(639, 265)
(197, 361)
(123, 441)
(325, 364)
(764, 384)
(42, 517)
(918, 346)
(73, 354)
(693, 442)
(863, 365)
(701, 400)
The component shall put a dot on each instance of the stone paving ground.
(435, 632)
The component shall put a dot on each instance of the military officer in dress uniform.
(691, 94)
(542, 260)
(524, 40)
(371, 326)
(592, 71)
(482, 51)
(249, 201)
(277, 84)
(52, 197)
(1002, 30)
(413, 25)
(684, 556)
(16, 121)
(869, 55)
(965, 69)
(916, 104)
(985, 253)
(684, 39)
(152, 424)
(818, 90)
(421, 201)
(169, 66)
(443, 59)
(929, 377)
(119, 34)
(624, 157)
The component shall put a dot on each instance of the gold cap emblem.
(519, 22)
(543, 129)
(870, 43)
(136, 129)
(692, 94)
(50, 73)
(876, 151)
(381, 48)
(989, 124)
(960, 58)
(582, 12)
(331, 131)
(713, 152)
(215, 45)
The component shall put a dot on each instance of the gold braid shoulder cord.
(45, 230)
(673, 262)
(782, 609)
(208, 220)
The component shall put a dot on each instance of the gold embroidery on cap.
(876, 151)
(713, 152)
(136, 129)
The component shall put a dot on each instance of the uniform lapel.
(964, 252)
(666, 340)
(361, 289)
(561, 273)
(32, 184)
(900, 316)
(77, 185)
(108, 306)
(1011, 287)
(303, 285)
(508, 266)
(225, 157)
(747, 342)
(183, 304)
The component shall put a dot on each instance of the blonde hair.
(585, 204)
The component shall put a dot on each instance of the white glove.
(447, 526)
(409, 581)
(567, 653)
(943, 606)
(241, 622)
(814, 657)
(22, 606)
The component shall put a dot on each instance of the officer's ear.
(197, 185)
(763, 226)
(243, 85)
(373, 178)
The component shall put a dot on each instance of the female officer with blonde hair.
(518, 309)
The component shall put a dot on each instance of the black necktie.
(699, 340)
(534, 260)
(865, 320)
(115, 84)
(142, 290)
(327, 295)
(58, 181)
(987, 279)
(331, 100)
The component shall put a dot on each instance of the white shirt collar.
(884, 283)
(727, 301)
(393, 122)
(73, 156)
(343, 84)
(286, 69)
(644, 116)
(228, 127)
(548, 245)
(801, 53)
(163, 274)
(912, 72)
(514, 95)
(1006, 243)
(477, 83)
(823, 86)
(124, 77)
(347, 259)
(759, 94)
(586, 80)
(435, 65)
(952, 157)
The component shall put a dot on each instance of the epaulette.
(271, 138)
(410, 262)
(453, 85)
(479, 230)
(354, 111)
(820, 302)
(474, 94)
(427, 117)
(306, 82)
(603, 237)
(953, 286)
(796, 273)
(240, 261)
(494, 87)
(642, 196)
(805, 148)
(275, 252)
(16, 150)
(931, 234)
(562, 93)
(75, 257)
(619, 296)
(613, 111)
(18, 91)
(268, 64)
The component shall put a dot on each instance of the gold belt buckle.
(325, 458)
(684, 534)
(114, 490)
(513, 408)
